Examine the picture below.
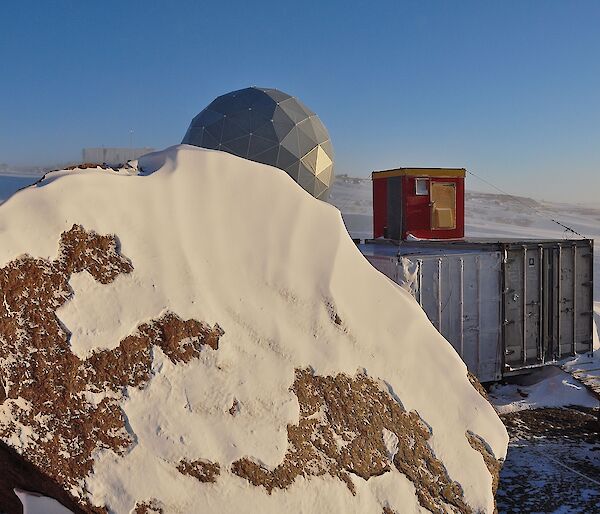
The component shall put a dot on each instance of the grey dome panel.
(270, 127)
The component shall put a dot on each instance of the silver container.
(505, 305)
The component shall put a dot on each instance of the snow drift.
(204, 335)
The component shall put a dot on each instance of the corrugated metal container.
(505, 306)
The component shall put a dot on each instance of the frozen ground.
(553, 463)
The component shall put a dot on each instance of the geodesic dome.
(271, 127)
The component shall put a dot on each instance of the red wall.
(417, 213)
(416, 210)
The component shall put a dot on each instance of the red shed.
(427, 203)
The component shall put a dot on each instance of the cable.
(545, 454)
(567, 229)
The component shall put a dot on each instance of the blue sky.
(508, 89)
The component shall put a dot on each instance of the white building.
(113, 156)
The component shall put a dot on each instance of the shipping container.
(505, 306)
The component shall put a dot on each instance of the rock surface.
(206, 334)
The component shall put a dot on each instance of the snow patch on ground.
(586, 368)
(549, 386)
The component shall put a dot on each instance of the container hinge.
(508, 322)
(588, 284)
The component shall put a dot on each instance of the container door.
(513, 309)
(533, 292)
(549, 305)
(481, 314)
(565, 284)
(523, 284)
(443, 205)
(584, 302)
(573, 299)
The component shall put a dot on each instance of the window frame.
(422, 180)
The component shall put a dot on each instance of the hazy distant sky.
(508, 89)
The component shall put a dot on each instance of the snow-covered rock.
(205, 337)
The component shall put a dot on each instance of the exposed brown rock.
(494, 465)
(477, 385)
(88, 251)
(333, 315)
(2, 390)
(129, 364)
(340, 433)
(88, 165)
(149, 507)
(45, 386)
(203, 470)
(235, 407)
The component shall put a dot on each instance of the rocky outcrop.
(202, 470)
(118, 396)
(354, 426)
(57, 409)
